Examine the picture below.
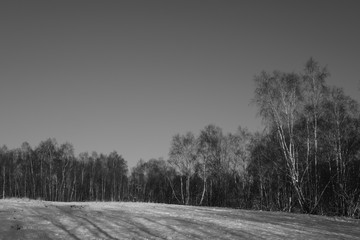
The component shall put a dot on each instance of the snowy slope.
(28, 219)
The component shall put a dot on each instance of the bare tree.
(183, 156)
(278, 96)
(209, 149)
(314, 79)
(66, 158)
(341, 109)
(3, 157)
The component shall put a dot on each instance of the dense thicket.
(307, 159)
(52, 172)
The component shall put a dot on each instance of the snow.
(31, 219)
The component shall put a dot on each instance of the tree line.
(52, 172)
(307, 159)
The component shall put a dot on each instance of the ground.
(30, 219)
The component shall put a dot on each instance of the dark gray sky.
(127, 76)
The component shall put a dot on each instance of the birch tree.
(314, 78)
(183, 156)
(209, 148)
(278, 96)
(342, 114)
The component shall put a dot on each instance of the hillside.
(30, 219)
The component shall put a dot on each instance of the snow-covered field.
(30, 219)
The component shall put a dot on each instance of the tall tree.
(209, 151)
(342, 114)
(278, 96)
(3, 161)
(66, 157)
(47, 151)
(314, 78)
(237, 158)
(28, 156)
(183, 155)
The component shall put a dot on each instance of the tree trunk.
(315, 158)
(33, 178)
(4, 181)
(114, 191)
(182, 190)
(25, 185)
(187, 189)
(204, 186)
(308, 163)
(103, 188)
(41, 178)
(10, 193)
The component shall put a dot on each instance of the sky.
(128, 75)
